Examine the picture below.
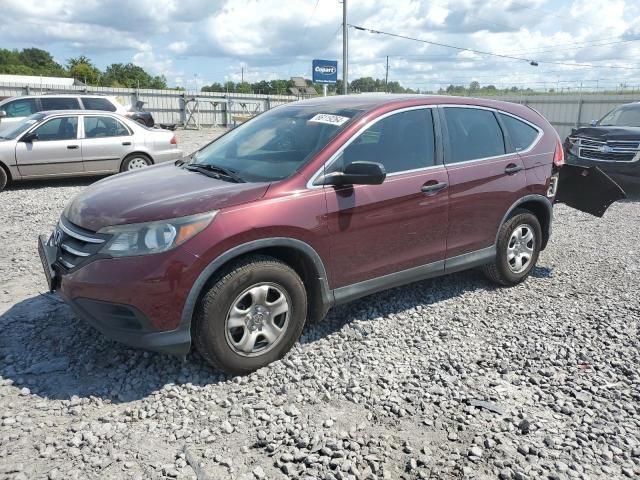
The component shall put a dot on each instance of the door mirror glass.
(593, 123)
(30, 137)
(357, 173)
(3, 114)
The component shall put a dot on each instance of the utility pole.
(345, 48)
(242, 75)
(386, 77)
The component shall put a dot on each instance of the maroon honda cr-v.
(307, 206)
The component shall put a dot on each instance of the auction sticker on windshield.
(330, 119)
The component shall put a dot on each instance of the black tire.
(209, 329)
(141, 121)
(500, 271)
(135, 157)
(3, 179)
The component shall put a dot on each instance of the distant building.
(37, 81)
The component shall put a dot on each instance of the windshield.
(626, 116)
(14, 131)
(277, 143)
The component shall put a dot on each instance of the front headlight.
(153, 237)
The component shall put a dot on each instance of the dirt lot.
(447, 378)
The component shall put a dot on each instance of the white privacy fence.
(194, 109)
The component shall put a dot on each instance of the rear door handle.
(126, 144)
(72, 147)
(513, 168)
(433, 188)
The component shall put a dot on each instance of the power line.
(481, 52)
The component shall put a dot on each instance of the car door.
(484, 180)
(106, 142)
(377, 230)
(55, 151)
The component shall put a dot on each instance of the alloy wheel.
(520, 248)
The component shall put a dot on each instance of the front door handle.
(126, 144)
(513, 168)
(73, 147)
(433, 188)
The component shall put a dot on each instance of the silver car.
(80, 142)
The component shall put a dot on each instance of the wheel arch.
(297, 254)
(541, 207)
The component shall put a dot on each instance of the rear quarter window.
(522, 134)
(98, 104)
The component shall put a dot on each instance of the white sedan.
(80, 142)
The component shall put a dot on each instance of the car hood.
(155, 193)
(608, 133)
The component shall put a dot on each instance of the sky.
(197, 42)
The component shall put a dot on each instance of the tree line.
(34, 61)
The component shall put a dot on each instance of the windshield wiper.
(216, 171)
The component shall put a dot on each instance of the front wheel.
(251, 315)
(518, 248)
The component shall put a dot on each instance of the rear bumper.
(168, 155)
(127, 325)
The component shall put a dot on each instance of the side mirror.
(3, 114)
(356, 173)
(29, 137)
(593, 123)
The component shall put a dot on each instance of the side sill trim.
(430, 270)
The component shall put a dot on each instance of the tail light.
(558, 155)
(174, 141)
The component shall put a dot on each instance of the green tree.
(131, 76)
(41, 62)
(214, 87)
(244, 87)
(82, 69)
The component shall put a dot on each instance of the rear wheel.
(135, 162)
(3, 179)
(141, 121)
(518, 248)
(251, 315)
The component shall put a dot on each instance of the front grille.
(609, 151)
(76, 245)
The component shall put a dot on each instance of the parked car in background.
(80, 142)
(15, 109)
(611, 143)
(306, 206)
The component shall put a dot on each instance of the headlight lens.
(153, 237)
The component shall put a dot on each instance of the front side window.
(473, 134)
(522, 135)
(400, 142)
(277, 143)
(60, 103)
(62, 128)
(98, 104)
(101, 127)
(20, 108)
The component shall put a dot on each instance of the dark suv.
(611, 143)
(307, 206)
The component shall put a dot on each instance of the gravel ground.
(446, 378)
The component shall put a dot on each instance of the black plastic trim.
(205, 275)
(470, 260)
(546, 229)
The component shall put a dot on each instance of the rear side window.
(98, 104)
(101, 127)
(403, 141)
(20, 108)
(473, 133)
(522, 135)
(63, 103)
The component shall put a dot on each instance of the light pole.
(345, 48)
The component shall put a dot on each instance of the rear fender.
(587, 189)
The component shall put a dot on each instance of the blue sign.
(325, 71)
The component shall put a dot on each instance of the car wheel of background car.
(518, 248)
(3, 179)
(141, 121)
(250, 315)
(135, 162)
